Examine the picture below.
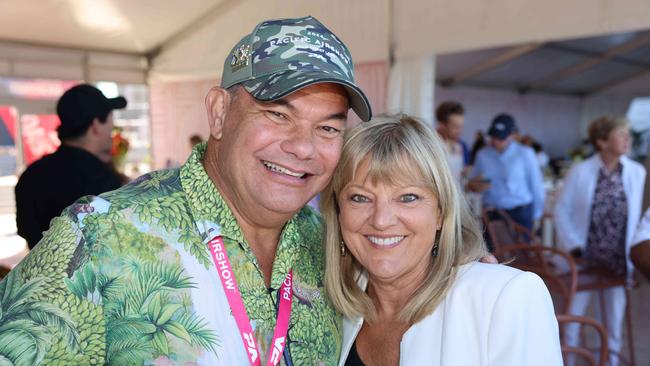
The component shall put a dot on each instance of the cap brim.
(274, 86)
(116, 103)
(498, 134)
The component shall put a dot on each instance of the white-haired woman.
(596, 213)
(402, 251)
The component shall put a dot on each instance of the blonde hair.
(600, 128)
(398, 147)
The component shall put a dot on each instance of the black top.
(353, 357)
(55, 182)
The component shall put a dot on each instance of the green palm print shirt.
(126, 278)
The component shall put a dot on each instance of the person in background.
(479, 143)
(542, 157)
(508, 174)
(540, 154)
(402, 255)
(596, 212)
(80, 166)
(451, 119)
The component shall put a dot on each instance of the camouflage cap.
(285, 55)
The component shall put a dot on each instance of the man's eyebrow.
(285, 103)
(340, 116)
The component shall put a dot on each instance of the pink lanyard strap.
(222, 263)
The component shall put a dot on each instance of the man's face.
(104, 138)
(279, 155)
(500, 144)
(454, 126)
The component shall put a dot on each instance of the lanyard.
(222, 263)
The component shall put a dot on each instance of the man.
(508, 174)
(79, 167)
(451, 119)
(198, 265)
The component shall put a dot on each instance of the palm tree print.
(24, 322)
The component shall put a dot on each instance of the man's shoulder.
(144, 190)
(486, 153)
(37, 169)
(151, 203)
(480, 154)
(523, 150)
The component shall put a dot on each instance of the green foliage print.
(157, 199)
(29, 325)
(90, 324)
(52, 258)
(108, 234)
(170, 213)
(145, 188)
(143, 316)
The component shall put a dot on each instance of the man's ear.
(94, 127)
(217, 103)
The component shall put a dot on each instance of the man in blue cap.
(508, 175)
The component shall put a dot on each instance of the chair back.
(502, 230)
(582, 354)
(556, 268)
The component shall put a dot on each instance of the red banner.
(39, 135)
(8, 115)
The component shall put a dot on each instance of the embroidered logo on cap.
(240, 58)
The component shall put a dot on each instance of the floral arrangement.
(120, 147)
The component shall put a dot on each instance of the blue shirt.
(514, 175)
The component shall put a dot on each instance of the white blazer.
(493, 315)
(572, 211)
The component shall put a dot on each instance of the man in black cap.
(508, 174)
(80, 167)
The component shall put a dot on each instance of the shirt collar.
(601, 164)
(206, 202)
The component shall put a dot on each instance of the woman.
(596, 213)
(402, 253)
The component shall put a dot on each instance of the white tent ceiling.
(616, 63)
(180, 39)
(129, 26)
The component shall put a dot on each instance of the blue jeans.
(523, 215)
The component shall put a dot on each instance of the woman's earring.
(436, 245)
(343, 252)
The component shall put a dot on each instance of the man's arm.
(26, 224)
(43, 321)
(477, 182)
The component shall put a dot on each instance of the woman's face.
(390, 229)
(618, 142)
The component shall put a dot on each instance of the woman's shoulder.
(491, 279)
(634, 166)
